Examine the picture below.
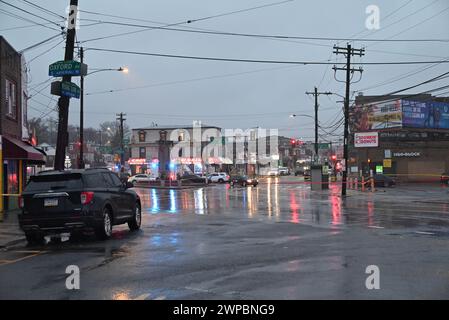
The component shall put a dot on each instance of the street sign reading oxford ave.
(67, 68)
(66, 89)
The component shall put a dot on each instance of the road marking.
(161, 298)
(424, 232)
(20, 259)
(376, 227)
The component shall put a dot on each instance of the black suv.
(76, 200)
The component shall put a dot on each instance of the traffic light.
(292, 142)
(334, 157)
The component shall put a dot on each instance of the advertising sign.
(366, 139)
(378, 115)
(431, 114)
(387, 163)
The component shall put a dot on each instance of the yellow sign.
(387, 163)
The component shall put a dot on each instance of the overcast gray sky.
(266, 94)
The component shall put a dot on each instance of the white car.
(273, 172)
(141, 178)
(220, 177)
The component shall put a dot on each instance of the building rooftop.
(173, 127)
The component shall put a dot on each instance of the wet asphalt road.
(275, 241)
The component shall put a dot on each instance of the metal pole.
(316, 123)
(63, 102)
(81, 159)
(346, 125)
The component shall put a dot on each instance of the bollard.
(372, 184)
(363, 183)
(356, 185)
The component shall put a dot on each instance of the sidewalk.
(10, 232)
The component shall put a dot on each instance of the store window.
(181, 136)
(142, 153)
(13, 177)
(11, 99)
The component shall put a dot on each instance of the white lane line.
(376, 227)
(424, 232)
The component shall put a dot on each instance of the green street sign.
(69, 89)
(323, 146)
(67, 68)
(66, 89)
(106, 150)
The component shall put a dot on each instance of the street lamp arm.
(301, 115)
(121, 69)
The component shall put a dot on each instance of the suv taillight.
(21, 202)
(87, 197)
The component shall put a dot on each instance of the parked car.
(193, 178)
(445, 178)
(283, 171)
(381, 180)
(219, 177)
(76, 200)
(141, 178)
(273, 172)
(244, 181)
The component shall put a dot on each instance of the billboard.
(366, 139)
(378, 115)
(429, 115)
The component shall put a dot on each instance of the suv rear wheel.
(34, 238)
(104, 231)
(136, 221)
(220, 180)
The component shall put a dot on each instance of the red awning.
(15, 149)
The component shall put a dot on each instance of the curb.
(12, 243)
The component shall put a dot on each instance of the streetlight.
(300, 115)
(121, 69)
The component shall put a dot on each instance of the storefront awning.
(15, 149)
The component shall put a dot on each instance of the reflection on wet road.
(278, 240)
(295, 203)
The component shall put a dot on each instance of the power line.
(189, 80)
(46, 51)
(400, 77)
(43, 9)
(437, 78)
(30, 13)
(255, 35)
(260, 61)
(183, 22)
(27, 26)
(39, 43)
(13, 15)
(407, 16)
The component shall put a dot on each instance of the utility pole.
(316, 94)
(101, 142)
(63, 102)
(120, 117)
(348, 52)
(81, 159)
